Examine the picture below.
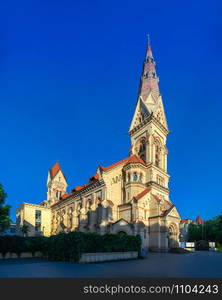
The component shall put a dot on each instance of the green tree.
(24, 229)
(210, 230)
(194, 232)
(4, 211)
(214, 229)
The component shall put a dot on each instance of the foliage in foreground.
(4, 211)
(69, 246)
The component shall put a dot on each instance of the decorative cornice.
(89, 187)
(125, 204)
(149, 165)
(129, 166)
(153, 183)
(148, 120)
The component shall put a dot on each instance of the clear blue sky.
(69, 75)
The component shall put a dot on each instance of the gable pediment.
(121, 222)
(172, 212)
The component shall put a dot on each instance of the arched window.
(143, 145)
(70, 221)
(99, 213)
(141, 177)
(135, 176)
(157, 155)
(142, 149)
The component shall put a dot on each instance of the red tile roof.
(199, 220)
(94, 177)
(77, 188)
(156, 198)
(170, 203)
(66, 196)
(131, 159)
(184, 220)
(115, 164)
(135, 159)
(55, 169)
(143, 193)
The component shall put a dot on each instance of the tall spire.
(149, 78)
(149, 99)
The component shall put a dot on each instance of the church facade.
(130, 196)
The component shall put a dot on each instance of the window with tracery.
(157, 155)
(142, 149)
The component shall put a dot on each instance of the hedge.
(70, 246)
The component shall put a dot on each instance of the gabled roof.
(54, 170)
(132, 159)
(166, 212)
(135, 159)
(143, 193)
(119, 220)
(158, 200)
(115, 164)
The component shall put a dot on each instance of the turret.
(56, 184)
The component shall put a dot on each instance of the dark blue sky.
(69, 75)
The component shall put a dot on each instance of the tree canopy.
(4, 211)
(210, 230)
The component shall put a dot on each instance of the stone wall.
(23, 255)
(107, 256)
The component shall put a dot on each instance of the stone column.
(83, 218)
(75, 219)
(103, 224)
(93, 217)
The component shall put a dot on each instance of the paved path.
(198, 264)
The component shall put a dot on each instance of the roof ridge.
(141, 194)
(55, 169)
(132, 158)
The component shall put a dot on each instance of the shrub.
(12, 244)
(70, 246)
(36, 244)
(202, 245)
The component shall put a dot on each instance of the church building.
(130, 196)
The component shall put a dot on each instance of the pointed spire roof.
(149, 99)
(149, 78)
(54, 170)
(199, 220)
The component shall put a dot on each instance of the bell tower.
(56, 184)
(149, 129)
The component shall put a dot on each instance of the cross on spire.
(148, 38)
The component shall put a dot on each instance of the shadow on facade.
(31, 231)
(154, 237)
